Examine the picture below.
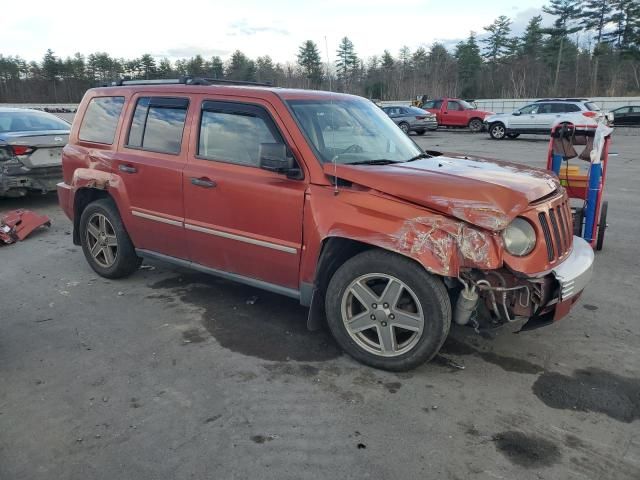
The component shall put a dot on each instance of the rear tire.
(373, 296)
(105, 242)
(475, 125)
(497, 130)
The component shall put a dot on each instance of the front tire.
(386, 311)
(475, 125)
(404, 127)
(497, 130)
(105, 242)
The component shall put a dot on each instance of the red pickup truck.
(453, 112)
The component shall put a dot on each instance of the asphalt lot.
(174, 375)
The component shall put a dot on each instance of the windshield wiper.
(381, 161)
(419, 156)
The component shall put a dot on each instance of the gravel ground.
(176, 375)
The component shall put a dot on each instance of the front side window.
(233, 133)
(351, 131)
(453, 106)
(158, 123)
(529, 109)
(101, 120)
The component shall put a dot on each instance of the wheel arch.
(83, 197)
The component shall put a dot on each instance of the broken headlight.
(519, 237)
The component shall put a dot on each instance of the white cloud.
(126, 28)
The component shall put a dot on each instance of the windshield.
(30, 121)
(351, 131)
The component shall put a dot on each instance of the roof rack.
(186, 80)
(563, 100)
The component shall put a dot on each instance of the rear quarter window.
(592, 106)
(101, 120)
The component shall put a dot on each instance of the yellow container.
(570, 176)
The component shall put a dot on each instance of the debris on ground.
(18, 224)
(147, 267)
(252, 300)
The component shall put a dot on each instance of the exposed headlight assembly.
(519, 237)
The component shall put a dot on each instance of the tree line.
(591, 48)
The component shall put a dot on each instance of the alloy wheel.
(382, 315)
(101, 240)
(497, 131)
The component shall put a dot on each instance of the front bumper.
(575, 272)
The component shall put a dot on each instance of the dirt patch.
(591, 390)
(528, 451)
(270, 326)
(453, 346)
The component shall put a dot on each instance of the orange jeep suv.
(321, 197)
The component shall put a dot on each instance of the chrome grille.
(556, 228)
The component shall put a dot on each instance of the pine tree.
(347, 61)
(565, 11)
(164, 68)
(148, 66)
(469, 66)
(531, 41)
(241, 67)
(497, 43)
(310, 61)
(216, 67)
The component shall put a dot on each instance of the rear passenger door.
(545, 117)
(240, 218)
(150, 163)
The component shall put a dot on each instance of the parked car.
(30, 151)
(624, 116)
(541, 116)
(454, 112)
(411, 119)
(386, 242)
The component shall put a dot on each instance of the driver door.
(240, 218)
(454, 114)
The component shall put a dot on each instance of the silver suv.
(541, 116)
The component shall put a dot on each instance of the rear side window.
(158, 123)
(570, 107)
(592, 106)
(545, 108)
(101, 120)
(233, 133)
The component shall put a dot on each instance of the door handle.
(127, 168)
(203, 182)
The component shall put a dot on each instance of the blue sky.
(276, 28)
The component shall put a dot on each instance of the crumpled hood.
(483, 192)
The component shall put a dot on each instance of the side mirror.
(517, 112)
(273, 157)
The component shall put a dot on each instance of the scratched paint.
(450, 242)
